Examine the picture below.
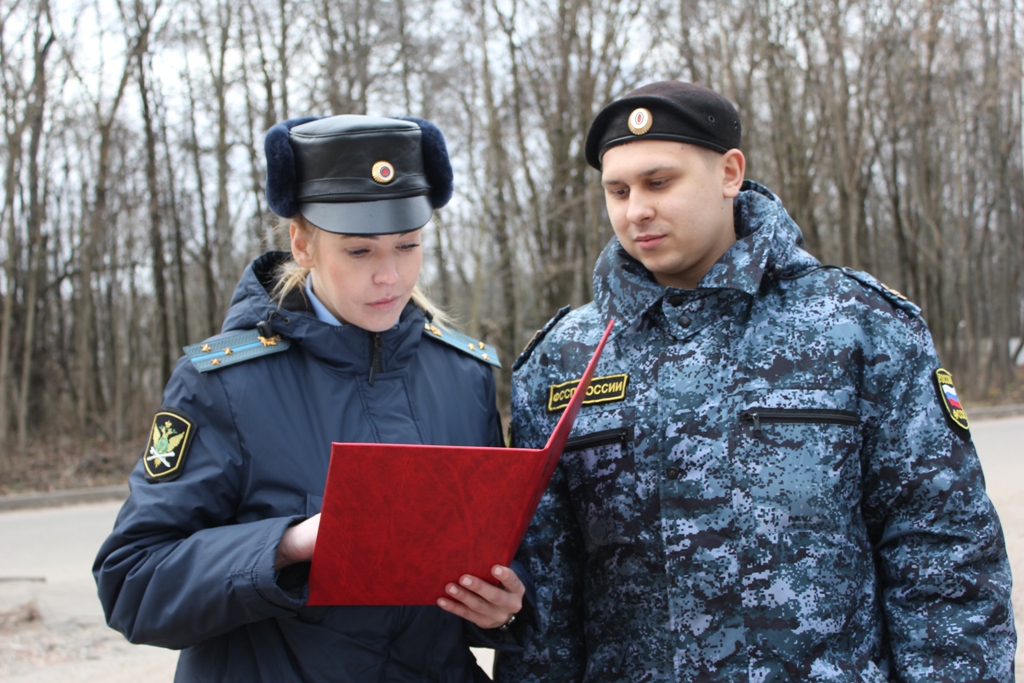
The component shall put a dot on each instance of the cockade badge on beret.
(640, 121)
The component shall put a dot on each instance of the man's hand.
(485, 605)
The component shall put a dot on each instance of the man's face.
(670, 204)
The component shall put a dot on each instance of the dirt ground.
(64, 463)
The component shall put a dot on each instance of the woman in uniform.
(331, 342)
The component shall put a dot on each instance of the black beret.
(666, 110)
(358, 174)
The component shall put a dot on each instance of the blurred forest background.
(133, 165)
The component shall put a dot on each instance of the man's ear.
(302, 250)
(734, 164)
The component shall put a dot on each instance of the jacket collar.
(346, 347)
(768, 244)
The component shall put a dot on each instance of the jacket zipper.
(825, 416)
(375, 357)
(602, 438)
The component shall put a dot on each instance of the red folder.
(400, 521)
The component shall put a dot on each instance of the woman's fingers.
(297, 543)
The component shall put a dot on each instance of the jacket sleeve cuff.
(260, 586)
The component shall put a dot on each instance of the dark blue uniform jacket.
(189, 564)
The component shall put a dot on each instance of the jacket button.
(672, 473)
(676, 299)
(684, 320)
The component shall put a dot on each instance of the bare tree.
(93, 234)
(891, 129)
(15, 122)
(36, 211)
(215, 42)
(352, 32)
(141, 18)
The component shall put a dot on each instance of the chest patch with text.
(601, 390)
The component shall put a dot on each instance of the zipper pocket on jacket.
(603, 438)
(797, 415)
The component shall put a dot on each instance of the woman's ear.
(734, 165)
(302, 248)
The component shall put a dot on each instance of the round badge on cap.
(383, 172)
(640, 121)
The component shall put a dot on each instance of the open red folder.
(400, 521)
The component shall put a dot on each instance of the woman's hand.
(297, 543)
(485, 605)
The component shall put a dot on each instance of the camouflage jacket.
(765, 484)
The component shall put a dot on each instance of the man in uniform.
(771, 478)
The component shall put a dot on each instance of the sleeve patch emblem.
(601, 390)
(168, 443)
(950, 400)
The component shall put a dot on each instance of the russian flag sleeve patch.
(949, 399)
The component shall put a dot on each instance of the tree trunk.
(156, 240)
(11, 273)
(496, 216)
(206, 266)
(37, 210)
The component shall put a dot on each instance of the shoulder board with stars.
(233, 347)
(466, 344)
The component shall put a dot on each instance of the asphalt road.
(51, 624)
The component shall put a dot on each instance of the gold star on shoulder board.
(215, 361)
(228, 352)
(207, 348)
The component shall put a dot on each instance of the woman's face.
(363, 280)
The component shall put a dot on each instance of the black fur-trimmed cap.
(359, 175)
(666, 110)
